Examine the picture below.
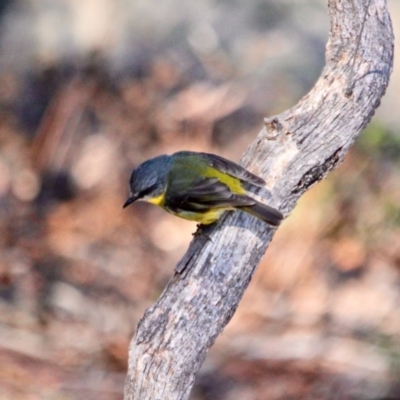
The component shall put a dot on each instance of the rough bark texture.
(295, 150)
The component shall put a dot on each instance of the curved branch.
(295, 150)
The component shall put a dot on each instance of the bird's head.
(148, 180)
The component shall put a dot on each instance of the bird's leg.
(200, 231)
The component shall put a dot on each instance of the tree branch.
(295, 150)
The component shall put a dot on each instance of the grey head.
(149, 179)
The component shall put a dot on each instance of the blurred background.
(90, 89)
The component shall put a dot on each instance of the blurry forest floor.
(320, 319)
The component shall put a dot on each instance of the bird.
(198, 187)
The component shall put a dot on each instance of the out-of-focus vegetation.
(88, 90)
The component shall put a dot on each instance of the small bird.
(198, 187)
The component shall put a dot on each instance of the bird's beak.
(130, 200)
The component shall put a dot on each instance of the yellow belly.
(206, 218)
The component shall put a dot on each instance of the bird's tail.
(266, 213)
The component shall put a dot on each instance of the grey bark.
(295, 150)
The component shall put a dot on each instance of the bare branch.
(295, 150)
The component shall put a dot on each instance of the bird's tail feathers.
(266, 213)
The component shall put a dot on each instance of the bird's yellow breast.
(158, 201)
(205, 218)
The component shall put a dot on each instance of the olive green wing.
(205, 194)
(208, 194)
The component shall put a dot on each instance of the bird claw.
(200, 232)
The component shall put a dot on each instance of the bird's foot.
(200, 231)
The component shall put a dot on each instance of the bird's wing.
(205, 194)
(231, 168)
